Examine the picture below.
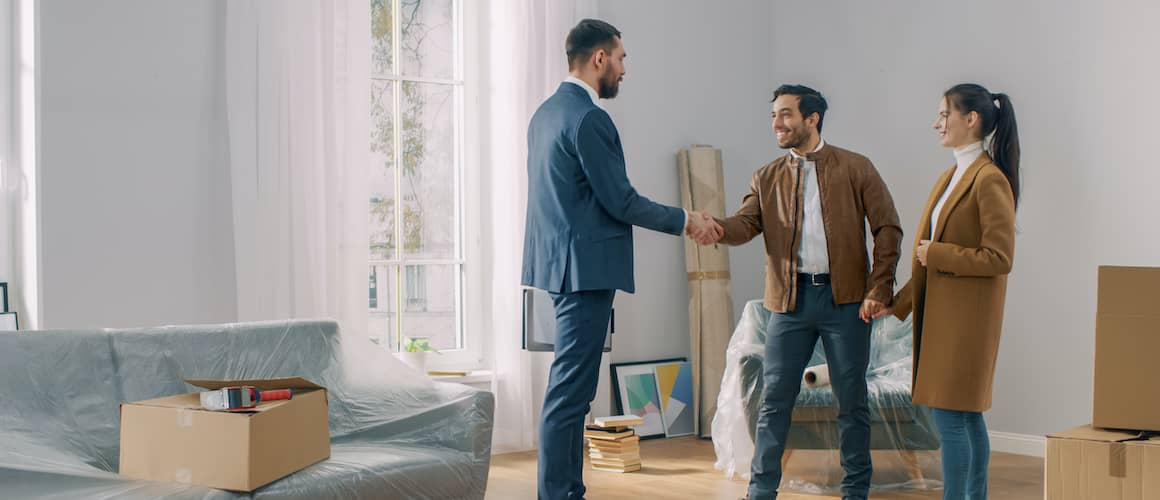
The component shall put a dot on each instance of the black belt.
(813, 279)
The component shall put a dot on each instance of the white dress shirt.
(813, 254)
(587, 88)
(964, 157)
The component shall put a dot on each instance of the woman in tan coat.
(963, 252)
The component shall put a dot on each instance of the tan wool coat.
(957, 298)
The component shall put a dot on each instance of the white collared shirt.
(813, 254)
(964, 157)
(587, 88)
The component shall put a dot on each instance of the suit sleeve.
(602, 159)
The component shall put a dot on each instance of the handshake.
(703, 229)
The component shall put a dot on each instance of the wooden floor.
(683, 468)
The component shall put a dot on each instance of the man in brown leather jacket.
(811, 207)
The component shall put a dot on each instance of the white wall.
(695, 75)
(136, 196)
(1082, 80)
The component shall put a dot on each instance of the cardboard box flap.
(1088, 433)
(261, 384)
(192, 401)
(1129, 290)
(189, 401)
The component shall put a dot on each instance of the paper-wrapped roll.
(710, 300)
(816, 376)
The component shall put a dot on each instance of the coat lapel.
(956, 195)
(935, 194)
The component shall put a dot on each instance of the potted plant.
(415, 352)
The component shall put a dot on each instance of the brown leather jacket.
(851, 192)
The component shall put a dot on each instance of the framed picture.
(9, 322)
(675, 389)
(635, 386)
(4, 292)
(539, 325)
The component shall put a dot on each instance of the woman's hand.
(920, 252)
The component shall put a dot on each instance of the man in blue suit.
(578, 239)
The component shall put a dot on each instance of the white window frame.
(469, 296)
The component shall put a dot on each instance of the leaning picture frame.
(675, 391)
(4, 292)
(538, 331)
(635, 387)
(9, 322)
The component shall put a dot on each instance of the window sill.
(473, 377)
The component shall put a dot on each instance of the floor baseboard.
(1019, 444)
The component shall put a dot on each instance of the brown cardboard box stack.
(613, 445)
(1117, 457)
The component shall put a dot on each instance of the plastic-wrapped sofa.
(903, 437)
(394, 433)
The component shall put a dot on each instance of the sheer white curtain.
(297, 90)
(525, 64)
(19, 188)
(9, 125)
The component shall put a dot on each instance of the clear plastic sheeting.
(394, 433)
(903, 439)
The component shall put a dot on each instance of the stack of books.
(613, 445)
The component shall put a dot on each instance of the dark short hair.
(586, 38)
(810, 101)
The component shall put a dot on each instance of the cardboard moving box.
(1093, 464)
(1127, 374)
(172, 439)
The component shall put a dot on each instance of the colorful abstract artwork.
(675, 389)
(637, 393)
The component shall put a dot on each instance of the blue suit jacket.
(581, 207)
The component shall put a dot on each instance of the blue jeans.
(966, 451)
(789, 343)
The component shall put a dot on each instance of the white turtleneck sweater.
(964, 157)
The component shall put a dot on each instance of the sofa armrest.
(478, 411)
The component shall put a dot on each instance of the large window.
(416, 205)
